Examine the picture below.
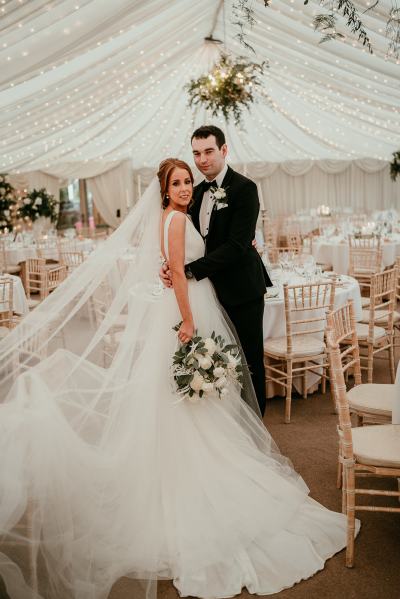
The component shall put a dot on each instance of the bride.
(105, 474)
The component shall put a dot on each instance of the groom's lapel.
(195, 209)
(225, 184)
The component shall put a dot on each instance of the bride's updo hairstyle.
(164, 175)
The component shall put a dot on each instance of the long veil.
(74, 374)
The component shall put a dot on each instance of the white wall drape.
(296, 186)
(113, 191)
(36, 180)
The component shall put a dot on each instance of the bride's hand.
(165, 275)
(186, 331)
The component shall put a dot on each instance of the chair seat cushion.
(13, 270)
(372, 398)
(362, 332)
(363, 271)
(377, 445)
(365, 301)
(381, 317)
(308, 345)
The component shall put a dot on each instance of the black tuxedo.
(235, 268)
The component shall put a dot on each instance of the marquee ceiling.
(94, 82)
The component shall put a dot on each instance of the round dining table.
(20, 303)
(18, 252)
(335, 251)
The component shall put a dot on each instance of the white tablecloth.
(396, 406)
(20, 303)
(16, 253)
(274, 312)
(274, 321)
(336, 252)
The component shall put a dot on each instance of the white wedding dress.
(155, 488)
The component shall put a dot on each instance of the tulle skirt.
(105, 473)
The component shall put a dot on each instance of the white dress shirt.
(207, 203)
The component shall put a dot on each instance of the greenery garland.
(395, 166)
(229, 87)
(326, 23)
(8, 199)
(39, 203)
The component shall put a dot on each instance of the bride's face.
(180, 189)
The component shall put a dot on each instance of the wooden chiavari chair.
(365, 258)
(375, 331)
(4, 266)
(371, 402)
(367, 451)
(71, 260)
(303, 349)
(6, 306)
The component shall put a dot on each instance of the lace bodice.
(194, 244)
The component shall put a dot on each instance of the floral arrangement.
(395, 166)
(39, 203)
(228, 88)
(8, 200)
(203, 367)
(219, 197)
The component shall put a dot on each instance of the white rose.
(219, 371)
(208, 387)
(205, 362)
(219, 194)
(27, 201)
(197, 382)
(220, 383)
(38, 201)
(210, 345)
(6, 212)
(233, 362)
(224, 392)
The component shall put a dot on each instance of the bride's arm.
(176, 252)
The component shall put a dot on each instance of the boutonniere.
(219, 198)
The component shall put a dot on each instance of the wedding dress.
(120, 478)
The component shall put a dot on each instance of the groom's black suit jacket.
(231, 262)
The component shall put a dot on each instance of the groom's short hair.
(207, 130)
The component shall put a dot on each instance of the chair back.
(364, 261)
(342, 326)
(339, 389)
(3, 257)
(382, 300)
(365, 242)
(54, 277)
(71, 259)
(35, 274)
(306, 308)
(6, 302)
(397, 266)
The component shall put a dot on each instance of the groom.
(225, 210)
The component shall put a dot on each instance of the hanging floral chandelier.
(229, 87)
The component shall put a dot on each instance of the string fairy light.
(142, 80)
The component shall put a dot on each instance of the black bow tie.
(208, 184)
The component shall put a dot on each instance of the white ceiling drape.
(87, 84)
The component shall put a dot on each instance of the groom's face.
(209, 158)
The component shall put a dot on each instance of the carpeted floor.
(311, 443)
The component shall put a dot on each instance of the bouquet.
(8, 201)
(39, 202)
(204, 367)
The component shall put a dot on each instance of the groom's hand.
(165, 275)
